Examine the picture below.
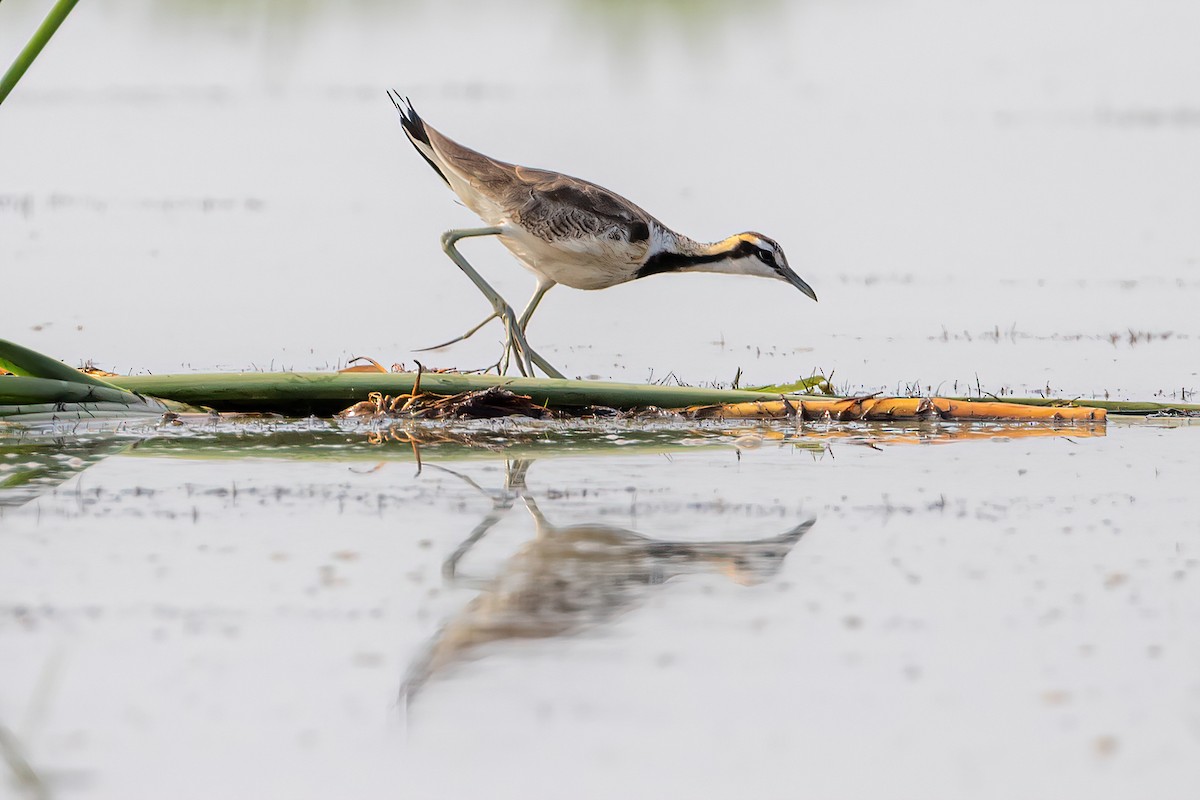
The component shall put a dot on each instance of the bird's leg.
(544, 285)
(515, 342)
(502, 501)
(511, 332)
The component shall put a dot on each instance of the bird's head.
(754, 562)
(752, 253)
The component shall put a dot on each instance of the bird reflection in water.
(569, 578)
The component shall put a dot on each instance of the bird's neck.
(677, 253)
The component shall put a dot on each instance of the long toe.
(464, 337)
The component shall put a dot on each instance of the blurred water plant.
(40, 37)
(12, 752)
(633, 23)
(688, 15)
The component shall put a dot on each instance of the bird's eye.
(766, 256)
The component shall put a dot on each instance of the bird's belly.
(578, 263)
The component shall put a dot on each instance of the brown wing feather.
(488, 175)
(559, 207)
(549, 204)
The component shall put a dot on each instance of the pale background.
(989, 192)
(1001, 194)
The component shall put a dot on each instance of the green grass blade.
(35, 45)
(23, 361)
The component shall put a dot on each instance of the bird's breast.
(592, 262)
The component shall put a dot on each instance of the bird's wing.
(486, 175)
(549, 204)
(557, 207)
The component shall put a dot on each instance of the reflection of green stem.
(39, 464)
(40, 37)
(480, 445)
(14, 755)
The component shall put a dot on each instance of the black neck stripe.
(667, 261)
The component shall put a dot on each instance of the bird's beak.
(798, 282)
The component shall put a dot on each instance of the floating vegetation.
(38, 388)
(896, 408)
(327, 393)
(489, 403)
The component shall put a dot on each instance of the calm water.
(965, 611)
(995, 195)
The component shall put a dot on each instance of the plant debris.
(371, 366)
(489, 403)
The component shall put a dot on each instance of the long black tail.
(414, 128)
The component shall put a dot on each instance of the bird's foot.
(517, 347)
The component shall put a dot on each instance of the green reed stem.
(40, 37)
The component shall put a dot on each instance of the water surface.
(965, 610)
